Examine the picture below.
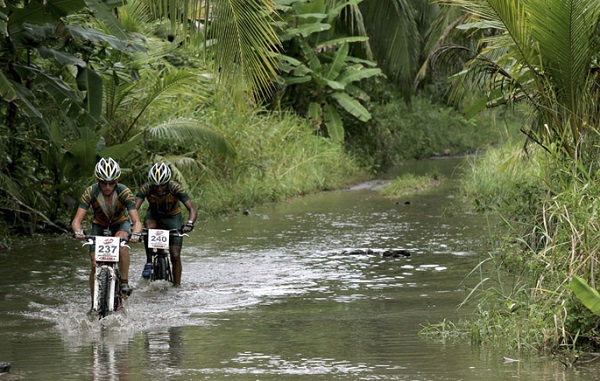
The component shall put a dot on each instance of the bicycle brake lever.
(90, 241)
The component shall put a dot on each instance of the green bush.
(423, 129)
(278, 156)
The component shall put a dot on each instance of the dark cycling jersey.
(112, 213)
(168, 203)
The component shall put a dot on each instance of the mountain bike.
(107, 280)
(158, 241)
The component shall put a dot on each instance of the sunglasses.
(107, 182)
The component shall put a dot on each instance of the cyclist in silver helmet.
(163, 197)
(113, 206)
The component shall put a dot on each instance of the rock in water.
(4, 367)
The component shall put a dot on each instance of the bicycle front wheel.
(103, 293)
(160, 267)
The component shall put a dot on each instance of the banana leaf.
(588, 296)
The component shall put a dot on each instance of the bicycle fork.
(111, 284)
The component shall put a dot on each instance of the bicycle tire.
(168, 272)
(161, 268)
(103, 298)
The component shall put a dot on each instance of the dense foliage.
(543, 54)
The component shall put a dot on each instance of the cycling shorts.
(110, 230)
(168, 223)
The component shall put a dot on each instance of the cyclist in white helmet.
(113, 206)
(164, 212)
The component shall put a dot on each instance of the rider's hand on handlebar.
(187, 228)
(135, 237)
(79, 234)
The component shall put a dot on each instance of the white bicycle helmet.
(159, 174)
(107, 170)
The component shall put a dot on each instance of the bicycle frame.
(158, 243)
(106, 279)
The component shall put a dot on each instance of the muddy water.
(288, 292)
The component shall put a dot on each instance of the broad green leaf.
(302, 70)
(63, 58)
(361, 61)
(315, 16)
(92, 35)
(474, 108)
(42, 12)
(335, 85)
(91, 82)
(357, 93)
(304, 31)
(352, 106)
(341, 40)
(297, 80)
(119, 151)
(314, 113)
(7, 91)
(102, 12)
(291, 60)
(23, 101)
(357, 73)
(587, 295)
(338, 62)
(334, 125)
(312, 59)
(84, 151)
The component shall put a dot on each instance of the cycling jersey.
(168, 203)
(111, 213)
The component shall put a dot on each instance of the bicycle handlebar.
(172, 232)
(90, 240)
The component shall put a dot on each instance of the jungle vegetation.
(248, 101)
(541, 55)
(262, 100)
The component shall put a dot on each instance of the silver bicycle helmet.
(107, 170)
(159, 174)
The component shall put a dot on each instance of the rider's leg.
(150, 224)
(123, 258)
(176, 262)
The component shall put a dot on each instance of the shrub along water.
(422, 129)
(549, 203)
(278, 156)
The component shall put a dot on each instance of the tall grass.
(550, 207)
(278, 157)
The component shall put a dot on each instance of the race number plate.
(107, 249)
(158, 239)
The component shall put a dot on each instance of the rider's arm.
(192, 210)
(135, 220)
(77, 221)
(138, 202)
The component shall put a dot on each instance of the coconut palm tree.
(542, 52)
(235, 36)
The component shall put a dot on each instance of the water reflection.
(110, 362)
(165, 347)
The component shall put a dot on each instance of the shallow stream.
(283, 293)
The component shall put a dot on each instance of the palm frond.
(245, 40)
(190, 131)
(396, 45)
(564, 31)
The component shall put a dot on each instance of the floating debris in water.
(395, 253)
